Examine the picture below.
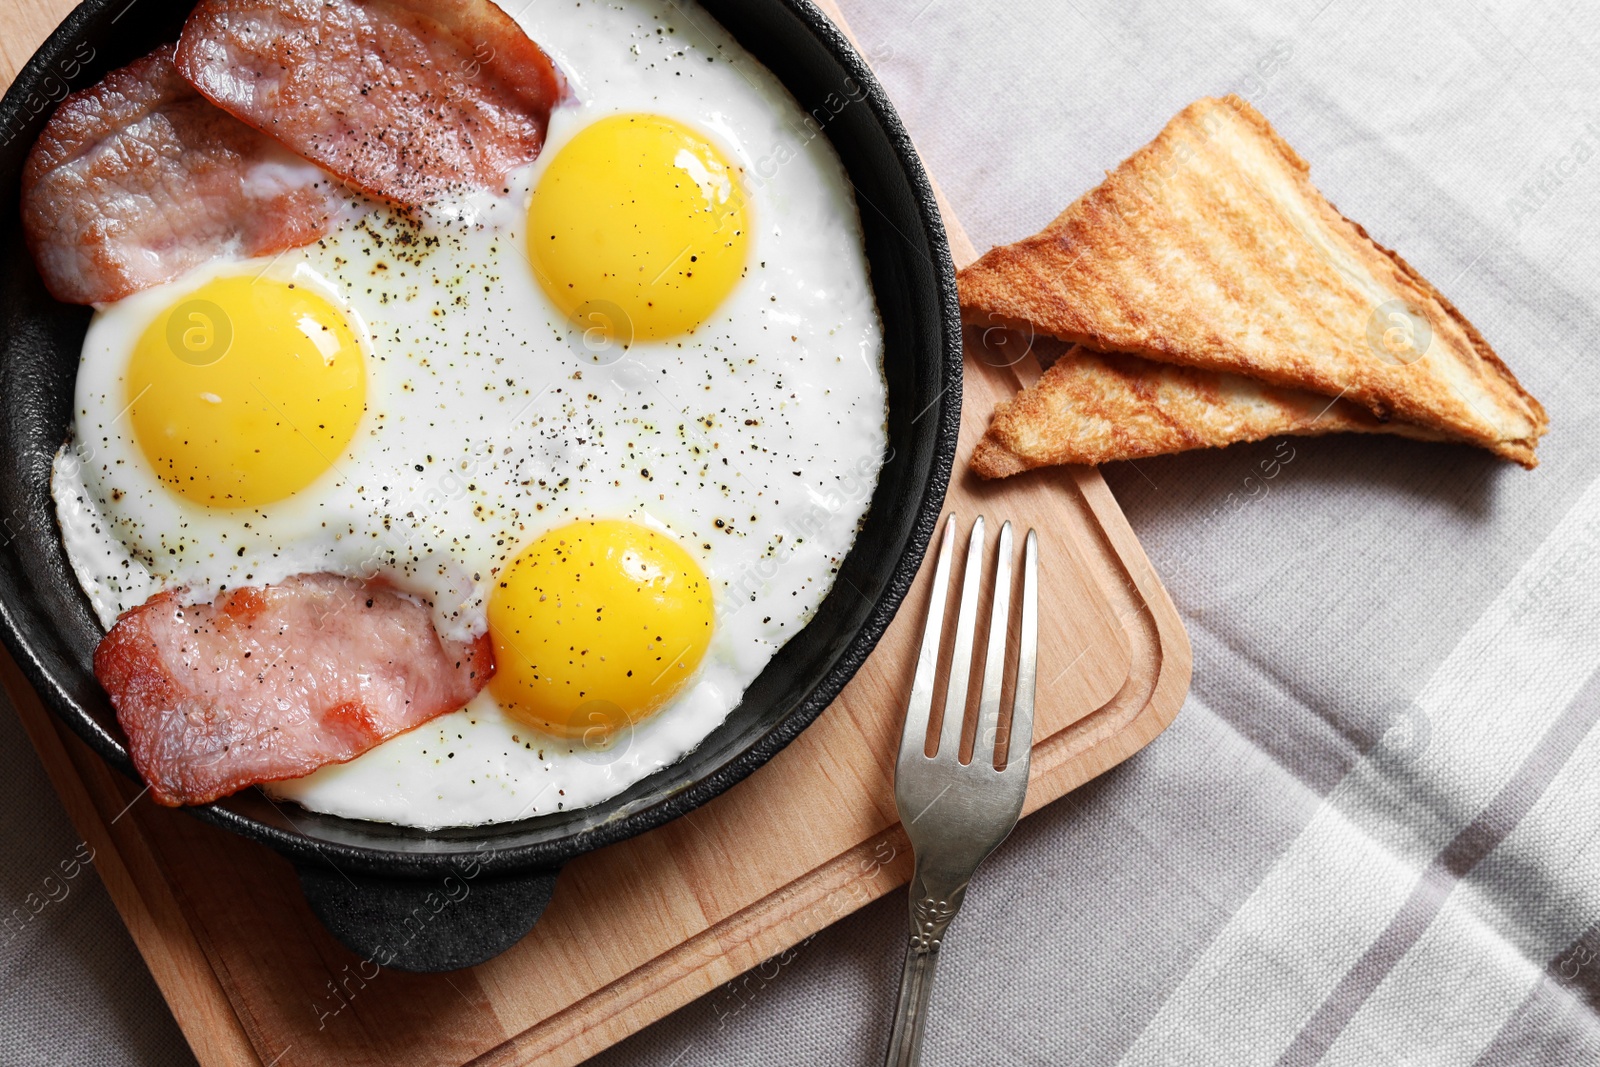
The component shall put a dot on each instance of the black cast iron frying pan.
(442, 900)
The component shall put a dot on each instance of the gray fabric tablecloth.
(1372, 837)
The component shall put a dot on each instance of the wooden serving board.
(643, 927)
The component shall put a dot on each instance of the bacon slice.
(273, 682)
(406, 99)
(139, 178)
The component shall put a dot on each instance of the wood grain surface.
(643, 927)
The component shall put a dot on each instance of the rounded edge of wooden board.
(1162, 661)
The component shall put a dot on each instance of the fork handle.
(916, 984)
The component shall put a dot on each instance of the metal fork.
(956, 813)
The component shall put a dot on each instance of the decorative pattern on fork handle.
(956, 813)
(929, 920)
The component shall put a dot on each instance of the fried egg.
(624, 415)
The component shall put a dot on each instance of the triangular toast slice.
(1093, 408)
(1210, 247)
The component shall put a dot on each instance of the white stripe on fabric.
(1448, 997)
(1340, 882)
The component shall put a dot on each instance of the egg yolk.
(245, 391)
(596, 625)
(636, 229)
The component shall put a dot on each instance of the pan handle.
(427, 924)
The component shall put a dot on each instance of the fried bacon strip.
(406, 99)
(273, 682)
(139, 178)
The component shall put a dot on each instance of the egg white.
(755, 441)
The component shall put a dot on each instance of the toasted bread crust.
(1092, 407)
(1210, 248)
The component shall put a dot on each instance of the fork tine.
(994, 661)
(920, 707)
(1027, 657)
(955, 697)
